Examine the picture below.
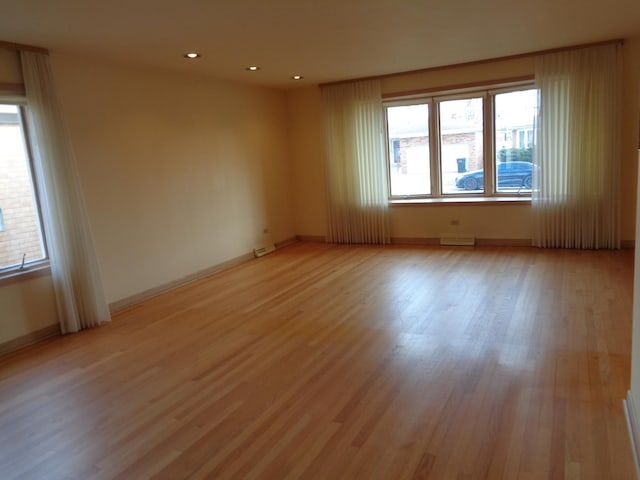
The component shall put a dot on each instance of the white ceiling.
(324, 40)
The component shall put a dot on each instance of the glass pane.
(409, 164)
(20, 234)
(461, 145)
(515, 114)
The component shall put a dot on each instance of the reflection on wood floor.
(336, 362)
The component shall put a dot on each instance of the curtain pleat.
(76, 280)
(575, 198)
(355, 161)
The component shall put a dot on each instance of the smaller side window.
(21, 241)
(408, 150)
(514, 116)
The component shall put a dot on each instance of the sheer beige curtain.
(355, 160)
(74, 269)
(575, 199)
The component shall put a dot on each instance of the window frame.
(407, 103)
(34, 266)
(487, 92)
(460, 96)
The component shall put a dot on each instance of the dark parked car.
(510, 174)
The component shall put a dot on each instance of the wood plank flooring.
(335, 362)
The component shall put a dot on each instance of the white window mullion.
(436, 180)
(482, 125)
(489, 146)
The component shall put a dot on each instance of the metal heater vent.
(261, 251)
(466, 240)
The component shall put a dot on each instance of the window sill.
(14, 276)
(397, 202)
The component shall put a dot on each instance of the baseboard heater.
(462, 240)
(261, 251)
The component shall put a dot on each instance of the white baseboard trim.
(634, 430)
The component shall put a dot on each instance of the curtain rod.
(478, 62)
(20, 46)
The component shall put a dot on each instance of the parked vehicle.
(509, 174)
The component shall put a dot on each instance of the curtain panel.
(76, 279)
(575, 198)
(357, 190)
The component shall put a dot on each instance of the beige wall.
(629, 135)
(27, 306)
(180, 172)
(502, 221)
(308, 173)
(10, 71)
(635, 348)
(631, 140)
(458, 76)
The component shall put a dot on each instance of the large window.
(476, 143)
(21, 240)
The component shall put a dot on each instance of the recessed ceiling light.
(192, 55)
(253, 68)
(297, 77)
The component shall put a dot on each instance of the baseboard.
(133, 300)
(503, 242)
(415, 241)
(29, 339)
(286, 243)
(634, 430)
(138, 298)
(496, 242)
(311, 238)
(627, 244)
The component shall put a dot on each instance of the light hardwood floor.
(331, 362)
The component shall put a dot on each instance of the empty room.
(319, 240)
